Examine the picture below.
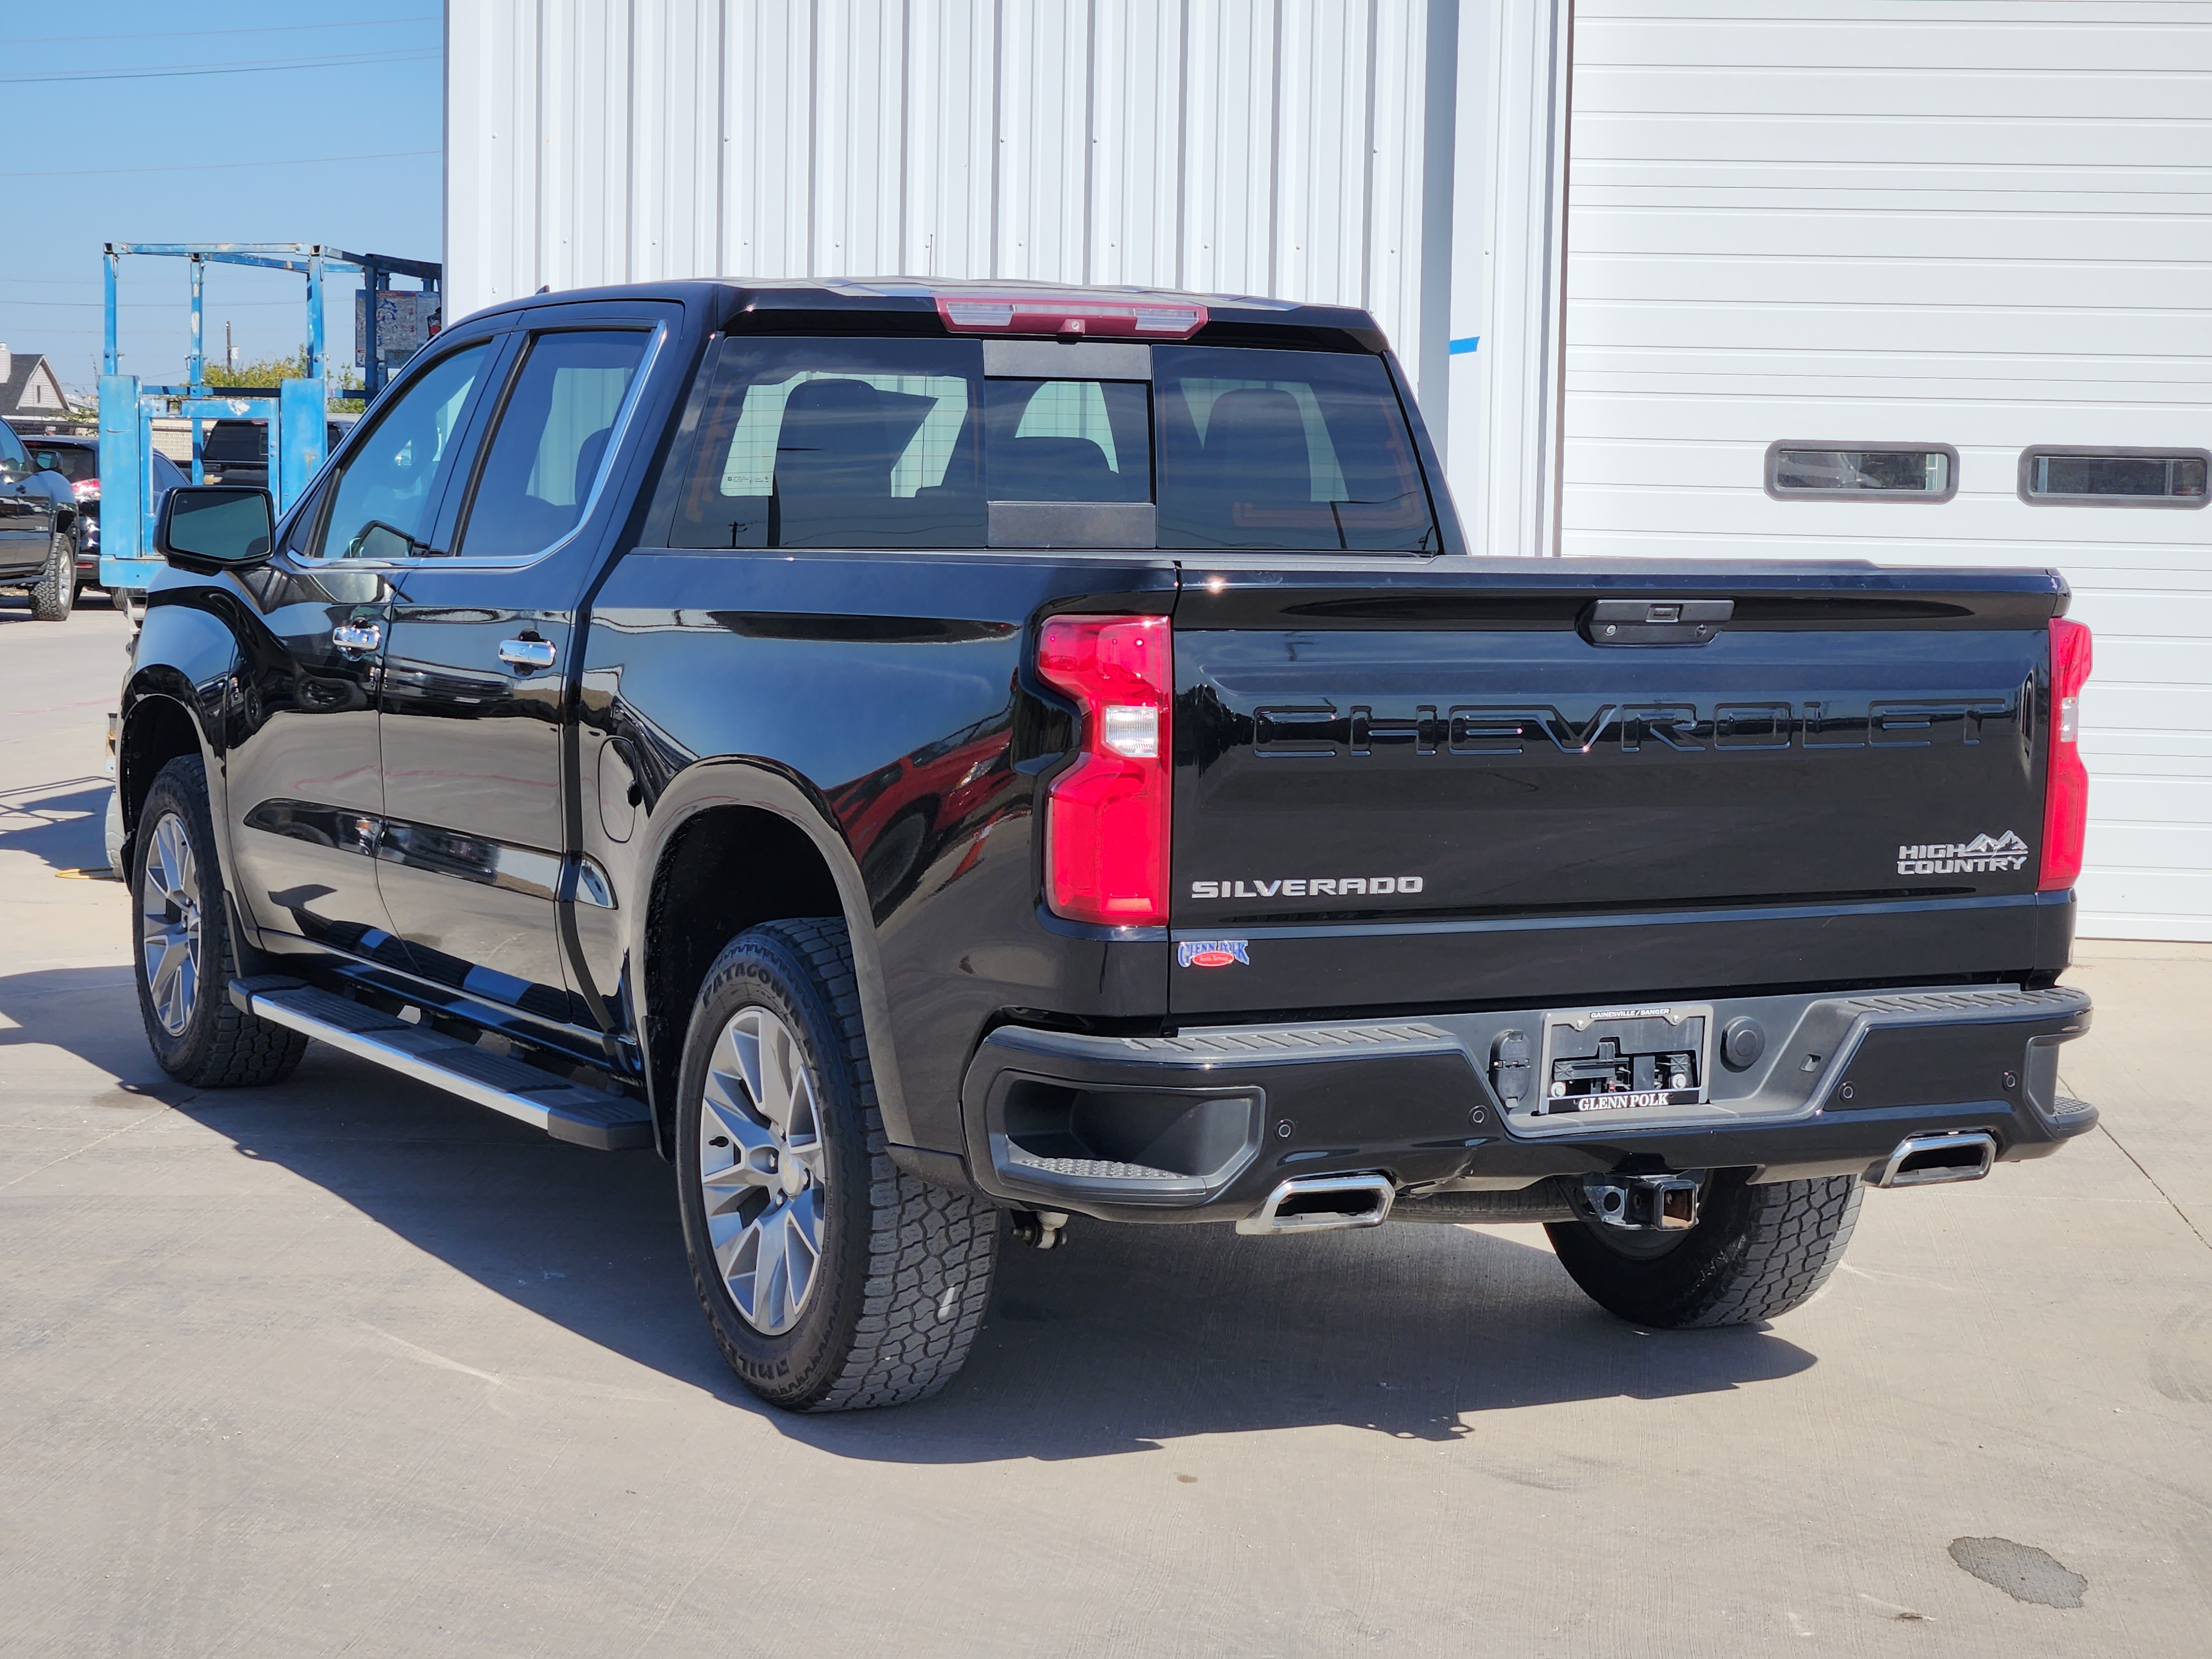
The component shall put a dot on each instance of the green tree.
(269, 371)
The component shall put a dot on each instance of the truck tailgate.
(1431, 787)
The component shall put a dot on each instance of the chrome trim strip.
(272, 1009)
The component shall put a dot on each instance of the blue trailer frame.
(297, 416)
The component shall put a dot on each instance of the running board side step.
(567, 1111)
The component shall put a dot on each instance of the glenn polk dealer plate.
(1626, 1059)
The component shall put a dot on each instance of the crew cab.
(933, 760)
(76, 460)
(39, 524)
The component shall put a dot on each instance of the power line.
(180, 34)
(215, 167)
(351, 60)
(147, 305)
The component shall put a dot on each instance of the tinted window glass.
(837, 443)
(1816, 471)
(551, 443)
(382, 497)
(72, 463)
(2146, 475)
(901, 443)
(235, 443)
(1067, 441)
(1288, 449)
(11, 452)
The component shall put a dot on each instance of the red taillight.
(1106, 819)
(86, 489)
(2066, 786)
(1040, 311)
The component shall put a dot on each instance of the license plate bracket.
(1625, 1058)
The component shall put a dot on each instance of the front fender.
(184, 659)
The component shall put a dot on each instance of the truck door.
(473, 697)
(305, 793)
(26, 514)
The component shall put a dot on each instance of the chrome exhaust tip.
(1315, 1204)
(1938, 1160)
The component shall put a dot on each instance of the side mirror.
(211, 527)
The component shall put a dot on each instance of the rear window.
(235, 443)
(1288, 449)
(908, 443)
(72, 463)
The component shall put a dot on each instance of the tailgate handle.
(1656, 622)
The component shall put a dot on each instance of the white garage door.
(1985, 225)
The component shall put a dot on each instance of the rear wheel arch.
(739, 845)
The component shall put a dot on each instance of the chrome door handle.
(354, 638)
(526, 653)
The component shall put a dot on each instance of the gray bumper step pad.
(566, 1110)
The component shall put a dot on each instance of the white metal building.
(1985, 225)
(1970, 230)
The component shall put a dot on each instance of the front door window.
(385, 493)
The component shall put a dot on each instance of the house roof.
(31, 386)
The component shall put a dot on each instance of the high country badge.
(1984, 855)
(1210, 952)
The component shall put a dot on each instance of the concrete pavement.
(348, 1366)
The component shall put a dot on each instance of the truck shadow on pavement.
(1122, 1338)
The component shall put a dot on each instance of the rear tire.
(1756, 1253)
(183, 956)
(54, 594)
(782, 1170)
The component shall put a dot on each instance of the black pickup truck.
(931, 760)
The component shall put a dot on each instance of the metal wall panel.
(1982, 225)
(1274, 146)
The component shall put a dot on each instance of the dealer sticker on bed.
(1210, 952)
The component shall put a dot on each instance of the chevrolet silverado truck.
(934, 760)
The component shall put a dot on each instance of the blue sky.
(225, 121)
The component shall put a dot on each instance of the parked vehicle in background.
(39, 522)
(932, 759)
(77, 459)
(237, 451)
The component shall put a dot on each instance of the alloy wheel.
(169, 925)
(762, 1163)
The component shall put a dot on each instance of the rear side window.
(907, 443)
(837, 443)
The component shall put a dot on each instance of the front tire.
(54, 594)
(833, 1280)
(184, 958)
(1755, 1253)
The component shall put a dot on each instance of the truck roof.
(998, 306)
